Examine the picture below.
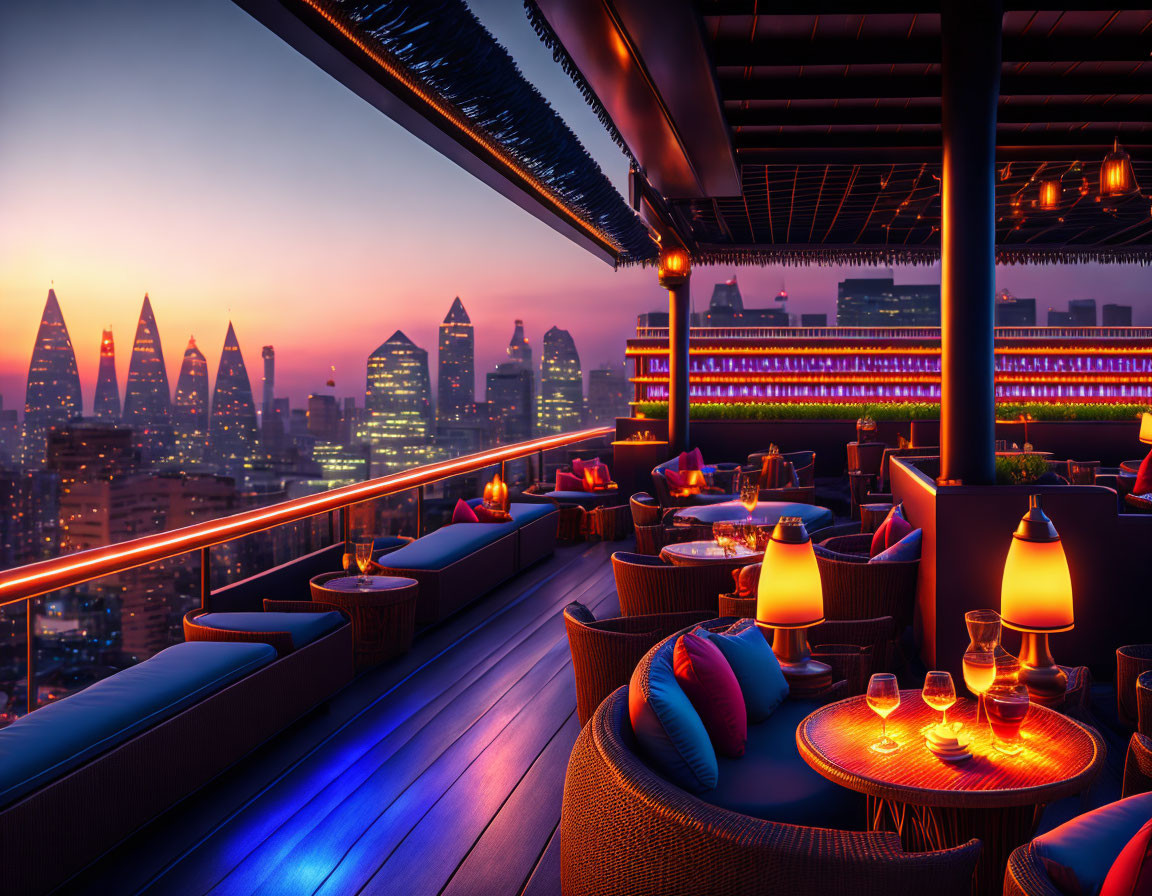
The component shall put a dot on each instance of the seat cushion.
(705, 676)
(445, 546)
(1131, 873)
(755, 666)
(523, 514)
(61, 736)
(772, 782)
(1080, 852)
(303, 627)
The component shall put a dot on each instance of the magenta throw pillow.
(892, 530)
(711, 687)
(1131, 873)
(675, 480)
(578, 465)
(1144, 477)
(597, 474)
(907, 548)
(690, 460)
(566, 482)
(463, 513)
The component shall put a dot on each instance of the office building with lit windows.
(398, 405)
(53, 393)
(561, 406)
(881, 302)
(190, 408)
(456, 384)
(106, 405)
(147, 401)
(232, 435)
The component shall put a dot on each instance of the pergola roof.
(770, 131)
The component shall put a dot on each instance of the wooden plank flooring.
(440, 773)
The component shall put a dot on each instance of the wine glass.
(363, 560)
(883, 697)
(979, 673)
(940, 693)
(750, 494)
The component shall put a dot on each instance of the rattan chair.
(648, 585)
(1132, 661)
(646, 510)
(626, 829)
(194, 630)
(1138, 765)
(605, 651)
(857, 589)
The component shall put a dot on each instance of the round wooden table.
(708, 553)
(383, 613)
(934, 804)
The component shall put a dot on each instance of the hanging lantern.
(496, 494)
(1116, 175)
(1050, 194)
(674, 268)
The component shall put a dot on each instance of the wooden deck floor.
(440, 773)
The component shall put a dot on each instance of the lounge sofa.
(662, 493)
(79, 775)
(458, 563)
(768, 827)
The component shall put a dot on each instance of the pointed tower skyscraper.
(456, 384)
(107, 403)
(232, 430)
(147, 400)
(53, 394)
(190, 409)
(519, 349)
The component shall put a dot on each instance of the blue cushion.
(303, 627)
(1087, 845)
(667, 726)
(445, 546)
(61, 736)
(771, 781)
(755, 666)
(384, 542)
(907, 548)
(522, 513)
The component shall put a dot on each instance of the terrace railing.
(24, 584)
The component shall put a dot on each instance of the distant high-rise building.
(726, 309)
(607, 394)
(398, 404)
(813, 320)
(9, 439)
(519, 348)
(1060, 318)
(190, 409)
(1116, 315)
(53, 394)
(880, 302)
(509, 397)
(147, 400)
(107, 403)
(1082, 312)
(561, 406)
(232, 429)
(324, 417)
(1014, 312)
(456, 383)
(268, 353)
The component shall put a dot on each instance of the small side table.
(708, 553)
(383, 614)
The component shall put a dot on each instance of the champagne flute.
(363, 560)
(940, 693)
(979, 673)
(883, 697)
(750, 494)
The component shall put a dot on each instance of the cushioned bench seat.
(304, 628)
(61, 736)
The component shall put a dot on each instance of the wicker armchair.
(648, 585)
(604, 652)
(646, 511)
(282, 641)
(857, 589)
(625, 829)
(1138, 765)
(1132, 661)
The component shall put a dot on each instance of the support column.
(674, 274)
(970, 34)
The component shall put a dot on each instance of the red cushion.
(675, 481)
(690, 460)
(484, 515)
(1131, 873)
(1144, 477)
(566, 482)
(578, 465)
(711, 686)
(463, 513)
(892, 530)
(596, 476)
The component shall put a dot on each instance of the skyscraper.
(561, 405)
(456, 384)
(232, 428)
(147, 401)
(53, 394)
(268, 353)
(398, 404)
(880, 302)
(509, 395)
(1014, 312)
(1113, 315)
(607, 394)
(107, 403)
(1083, 312)
(519, 349)
(190, 409)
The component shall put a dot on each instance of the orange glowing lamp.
(1050, 194)
(496, 494)
(790, 600)
(1036, 600)
(1146, 428)
(1116, 175)
(674, 268)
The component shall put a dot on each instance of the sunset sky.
(183, 150)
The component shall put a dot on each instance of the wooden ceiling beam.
(790, 86)
(1117, 111)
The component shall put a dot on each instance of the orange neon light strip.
(24, 582)
(848, 377)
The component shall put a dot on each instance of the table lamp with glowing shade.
(1146, 428)
(790, 600)
(1036, 600)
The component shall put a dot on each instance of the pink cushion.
(711, 686)
(463, 513)
(892, 530)
(1131, 873)
(690, 460)
(566, 482)
(1144, 477)
(579, 465)
(675, 480)
(596, 476)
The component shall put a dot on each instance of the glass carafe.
(983, 654)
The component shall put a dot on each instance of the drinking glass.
(883, 697)
(724, 534)
(979, 673)
(1006, 707)
(363, 560)
(940, 693)
(750, 494)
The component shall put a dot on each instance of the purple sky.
(184, 150)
